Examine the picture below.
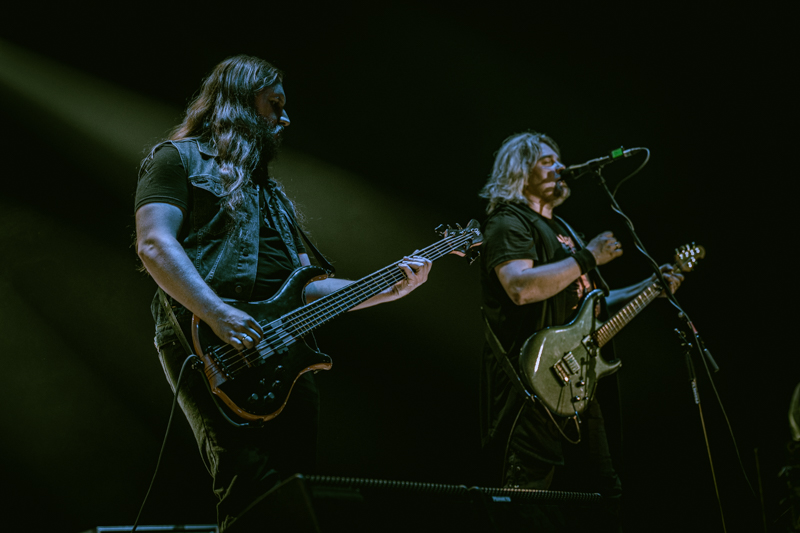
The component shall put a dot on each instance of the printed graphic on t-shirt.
(582, 285)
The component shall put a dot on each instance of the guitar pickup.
(566, 367)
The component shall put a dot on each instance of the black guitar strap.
(162, 296)
(323, 262)
(598, 278)
(502, 359)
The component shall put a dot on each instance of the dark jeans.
(246, 462)
(538, 456)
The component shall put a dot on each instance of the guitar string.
(299, 319)
(235, 361)
(627, 313)
(308, 317)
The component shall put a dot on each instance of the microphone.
(576, 171)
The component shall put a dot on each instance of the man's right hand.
(157, 226)
(235, 327)
(605, 248)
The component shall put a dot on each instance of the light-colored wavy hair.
(512, 162)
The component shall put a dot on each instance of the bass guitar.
(255, 383)
(562, 364)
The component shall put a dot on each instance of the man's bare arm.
(157, 226)
(415, 271)
(526, 283)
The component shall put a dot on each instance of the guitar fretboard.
(304, 319)
(605, 332)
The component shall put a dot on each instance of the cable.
(166, 434)
(632, 174)
(673, 300)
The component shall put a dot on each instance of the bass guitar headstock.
(468, 239)
(686, 256)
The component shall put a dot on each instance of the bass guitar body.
(255, 383)
(562, 363)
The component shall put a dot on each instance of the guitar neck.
(621, 319)
(308, 317)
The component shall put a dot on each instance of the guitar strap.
(518, 384)
(595, 273)
(502, 359)
(176, 327)
(324, 263)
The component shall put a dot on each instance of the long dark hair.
(224, 113)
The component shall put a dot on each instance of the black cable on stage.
(194, 359)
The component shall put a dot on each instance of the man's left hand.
(415, 269)
(672, 277)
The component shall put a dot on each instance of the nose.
(284, 120)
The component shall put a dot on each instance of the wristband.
(585, 260)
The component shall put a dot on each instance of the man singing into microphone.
(535, 273)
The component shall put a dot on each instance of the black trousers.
(246, 462)
(538, 456)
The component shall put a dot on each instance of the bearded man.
(212, 224)
(535, 273)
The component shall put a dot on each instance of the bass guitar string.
(299, 319)
(285, 330)
(308, 317)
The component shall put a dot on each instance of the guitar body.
(562, 363)
(255, 383)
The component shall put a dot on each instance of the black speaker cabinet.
(324, 504)
(156, 529)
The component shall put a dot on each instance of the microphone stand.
(708, 359)
(705, 354)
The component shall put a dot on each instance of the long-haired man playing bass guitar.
(211, 225)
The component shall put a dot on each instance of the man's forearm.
(174, 272)
(321, 288)
(619, 297)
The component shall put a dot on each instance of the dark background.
(397, 110)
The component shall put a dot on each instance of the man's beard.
(561, 192)
(268, 139)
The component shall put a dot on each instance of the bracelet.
(585, 260)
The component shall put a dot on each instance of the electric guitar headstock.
(686, 256)
(471, 237)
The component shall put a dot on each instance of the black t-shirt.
(165, 180)
(515, 232)
(512, 233)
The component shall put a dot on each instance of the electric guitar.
(255, 383)
(562, 364)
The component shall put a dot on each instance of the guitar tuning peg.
(440, 230)
(458, 227)
(472, 256)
